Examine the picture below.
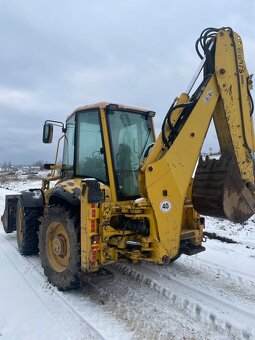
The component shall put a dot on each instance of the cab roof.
(103, 105)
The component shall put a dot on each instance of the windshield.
(131, 134)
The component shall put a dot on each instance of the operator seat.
(124, 170)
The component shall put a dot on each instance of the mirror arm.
(56, 123)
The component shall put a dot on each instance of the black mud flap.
(9, 217)
(219, 191)
(193, 250)
(101, 274)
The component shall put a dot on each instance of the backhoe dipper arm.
(225, 187)
(233, 118)
(167, 171)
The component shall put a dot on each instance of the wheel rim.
(20, 224)
(57, 247)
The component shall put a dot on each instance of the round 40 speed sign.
(165, 206)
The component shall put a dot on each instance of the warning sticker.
(208, 96)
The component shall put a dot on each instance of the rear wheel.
(27, 227)
(60, 248)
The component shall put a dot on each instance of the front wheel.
(27, 223)
(60, 248)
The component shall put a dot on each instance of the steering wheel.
(96, 155)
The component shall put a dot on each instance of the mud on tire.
(59, 244)
(27, 228)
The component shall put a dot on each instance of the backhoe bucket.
(219, 191)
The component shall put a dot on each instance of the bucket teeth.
(219, 191)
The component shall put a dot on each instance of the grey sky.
(57, 55)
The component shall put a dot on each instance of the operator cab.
(104, 138)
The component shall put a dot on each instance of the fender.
(61, 194)
(32, 198)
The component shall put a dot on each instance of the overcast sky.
(58, 55)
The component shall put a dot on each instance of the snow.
(207, 296)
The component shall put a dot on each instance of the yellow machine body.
(165, 178)
(137, 198)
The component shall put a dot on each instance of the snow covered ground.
(207, 296)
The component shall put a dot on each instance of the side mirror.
(47, 133)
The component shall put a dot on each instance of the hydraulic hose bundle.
(205, 48)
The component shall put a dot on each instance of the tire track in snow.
(200, 292)
(146, 312)
(188, 299)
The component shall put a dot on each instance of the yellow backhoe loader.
(122, 194)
